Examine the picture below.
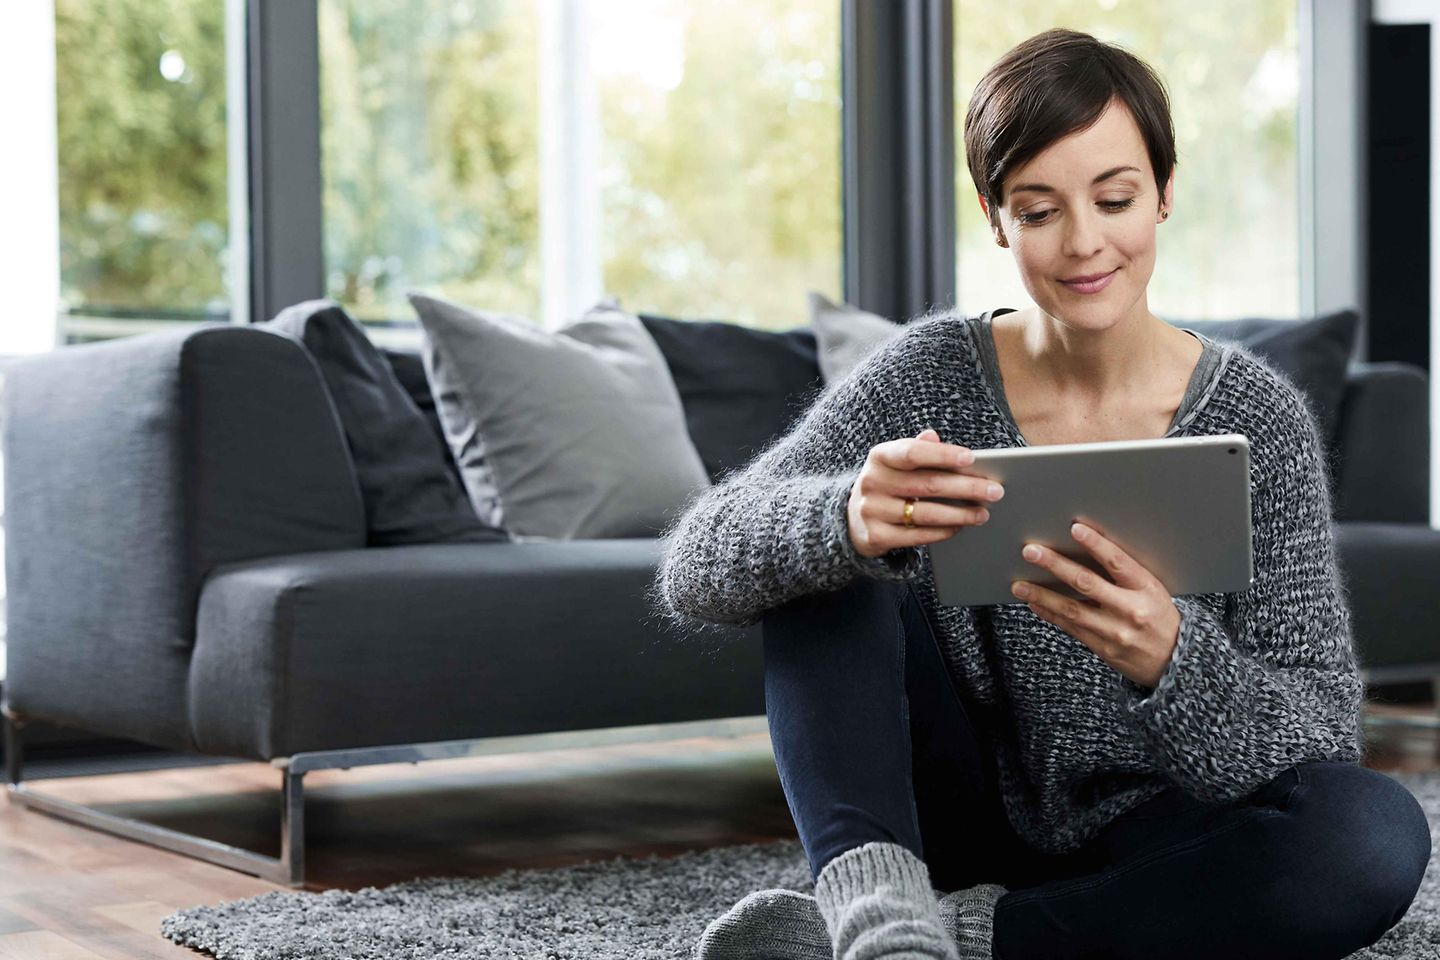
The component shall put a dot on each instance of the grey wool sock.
(767, 925)
(969, 916)
(878, 905)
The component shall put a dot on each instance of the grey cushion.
(741, 387)
(573, 434)
(846, 335)
(411, 495)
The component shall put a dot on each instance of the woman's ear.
(985, 208)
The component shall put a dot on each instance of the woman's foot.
(878, 904)
(969, 916)
(767, 925)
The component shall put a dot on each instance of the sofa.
(188, 567)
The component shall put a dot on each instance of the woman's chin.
(1092, 315)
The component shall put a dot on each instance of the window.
(1232, 246)
(533, 157)
(140, 113)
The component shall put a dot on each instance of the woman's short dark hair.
(1054, 84)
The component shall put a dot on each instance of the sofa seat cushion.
(420, 643)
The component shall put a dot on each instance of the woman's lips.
(1093, 286)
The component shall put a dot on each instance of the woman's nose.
(1082, 235)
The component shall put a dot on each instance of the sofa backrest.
(1381, 461)
(1363, 410)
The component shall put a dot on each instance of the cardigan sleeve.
(778, 528)
(1274, 681)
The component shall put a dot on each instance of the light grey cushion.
(581, 431)
(845, 335)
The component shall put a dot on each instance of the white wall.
(29, 229)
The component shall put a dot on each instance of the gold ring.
(909, 511)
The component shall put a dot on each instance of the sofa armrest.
(133, 467)
(1390, 571)
(1382, 450)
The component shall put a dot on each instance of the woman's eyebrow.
(1043, 188)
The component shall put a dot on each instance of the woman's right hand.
(919, 466)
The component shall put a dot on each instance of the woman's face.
(1086, 205)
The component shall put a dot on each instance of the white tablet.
(1178, 505)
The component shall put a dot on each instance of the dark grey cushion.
(740, 387)
(411, 493)
(1314, 354)
(409, 369)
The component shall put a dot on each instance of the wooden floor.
(70, 893)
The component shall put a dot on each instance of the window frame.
(897, 165)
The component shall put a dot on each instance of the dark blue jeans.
(874, 742)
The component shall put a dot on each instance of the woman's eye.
(1114, 206)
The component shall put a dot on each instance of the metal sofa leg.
(12, 749)
(292, 826)
(288, 869)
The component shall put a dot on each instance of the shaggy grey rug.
(635, 909)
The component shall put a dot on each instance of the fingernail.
(995, 491)
(1031, 552)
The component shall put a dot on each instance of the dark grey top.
(985, 342)
(1259, 680)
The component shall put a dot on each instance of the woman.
(1138, 775)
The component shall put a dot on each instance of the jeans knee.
(1372, 844)
(1398, 844)
(864, 604)
(1389, 867)
(1390, 836)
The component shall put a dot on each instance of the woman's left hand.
(1132, 624)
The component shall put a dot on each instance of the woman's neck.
(1090, 367)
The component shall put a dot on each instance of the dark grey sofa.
(187, 567)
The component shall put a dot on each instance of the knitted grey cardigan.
(1261, 679)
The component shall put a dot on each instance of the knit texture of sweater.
(1260, 680)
